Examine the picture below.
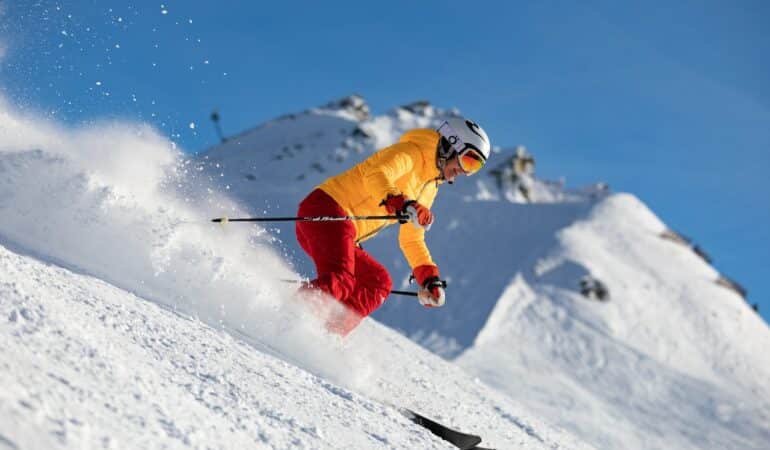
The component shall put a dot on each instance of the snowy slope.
(87, 365)
(128, 320)
(671, 361)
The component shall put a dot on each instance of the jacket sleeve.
(411, 238)
(387, 166)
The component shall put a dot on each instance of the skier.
(402, 179)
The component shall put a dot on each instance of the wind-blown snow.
(117, 201)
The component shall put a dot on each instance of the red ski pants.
(345, 271)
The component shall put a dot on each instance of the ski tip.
(222, 220)
(459, 439)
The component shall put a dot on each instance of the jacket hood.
(422, 137)
(427, 140)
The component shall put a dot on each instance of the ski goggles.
(470, 159)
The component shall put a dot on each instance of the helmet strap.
(441, 163)
(442, 158)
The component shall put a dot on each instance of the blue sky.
(669, 102)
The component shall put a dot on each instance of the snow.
(671, 361)
(87, 364)
(129, 320)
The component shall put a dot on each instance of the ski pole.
(225, 220)
(406, 293)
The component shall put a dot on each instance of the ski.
(460, 440)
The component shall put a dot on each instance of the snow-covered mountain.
(674, 346)
(129, 320)
(132, 321)
(672, 360)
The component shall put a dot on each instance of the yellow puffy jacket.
(409, 168)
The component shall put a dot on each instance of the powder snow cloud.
(67, 192)
(118, 200)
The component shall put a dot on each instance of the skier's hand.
(395, 204)
(433, 296)
(431, 293)
(419, 215)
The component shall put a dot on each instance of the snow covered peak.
(354, 105)
(665, 342)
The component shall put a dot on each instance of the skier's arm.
(411, 238)
(431, 288)
(412, 242)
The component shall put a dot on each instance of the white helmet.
(459, 134)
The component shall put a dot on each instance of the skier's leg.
(329, 244)
(373, 284)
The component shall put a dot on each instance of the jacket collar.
(426, 140)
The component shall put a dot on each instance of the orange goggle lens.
(471, 162)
